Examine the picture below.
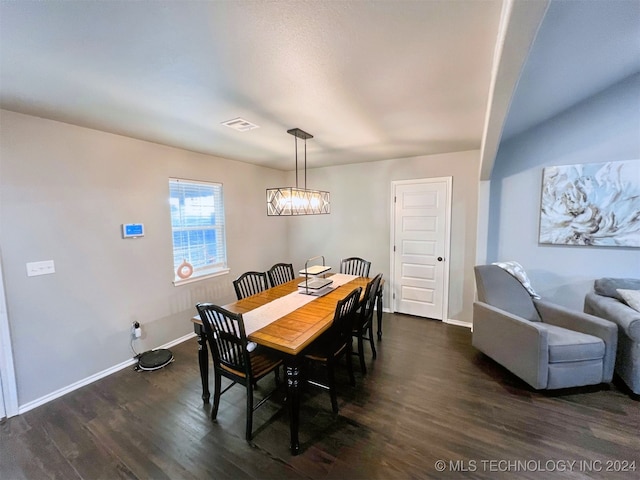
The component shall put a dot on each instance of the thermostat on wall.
(132, 230)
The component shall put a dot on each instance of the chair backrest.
(369, 300)
(250, 283)
(355, 266)
(280, 273)
(344, 318)
(499, 288)
(227, 338)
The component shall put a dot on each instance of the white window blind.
(197, 225)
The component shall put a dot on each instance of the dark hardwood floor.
(429, 396)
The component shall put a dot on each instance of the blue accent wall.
(604, 128)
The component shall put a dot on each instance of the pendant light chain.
(296, 144)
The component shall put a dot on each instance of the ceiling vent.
(240, 124)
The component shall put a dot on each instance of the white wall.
(359, 223)
(65, 191)
(604, 128)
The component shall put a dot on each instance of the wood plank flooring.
(429, 396)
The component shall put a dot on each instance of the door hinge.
(394, 248)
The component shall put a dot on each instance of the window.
(197, 225)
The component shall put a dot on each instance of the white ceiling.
(370, 79)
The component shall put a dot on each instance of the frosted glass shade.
(286, 201)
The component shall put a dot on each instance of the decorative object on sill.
(287, 201)
(593, 204)
(185, 270)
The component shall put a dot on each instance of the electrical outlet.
(136, 330)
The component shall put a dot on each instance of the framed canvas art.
(591, 204)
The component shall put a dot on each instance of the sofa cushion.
(569, 346)
(608, 287)
(616, 311)
(631, 298)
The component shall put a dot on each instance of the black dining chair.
(250, 283)
(363, 327)
(227, 340)
(355, 266)
(280, 273)
(335, 343)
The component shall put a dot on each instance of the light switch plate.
(40, 268)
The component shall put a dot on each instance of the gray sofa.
(546, 345)
(606, 302)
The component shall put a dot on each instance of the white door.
(420, 246)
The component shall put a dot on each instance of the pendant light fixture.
(288, 201)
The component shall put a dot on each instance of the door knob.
(440, 259)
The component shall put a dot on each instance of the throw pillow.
(608, 287)
(517, 271)
(631, 298)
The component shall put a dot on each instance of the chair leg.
(363, 367)
(248, 434)
(349, 356)
(332, 386)
(373, 345)
(217, 378)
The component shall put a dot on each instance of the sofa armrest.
(577, 321)
(627, 319)
(519, 345)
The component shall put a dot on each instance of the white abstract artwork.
(591, 204)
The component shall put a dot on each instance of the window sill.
(177, 283)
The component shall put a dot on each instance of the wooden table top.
(293, 332)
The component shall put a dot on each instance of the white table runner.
(278, 308)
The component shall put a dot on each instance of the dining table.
(286, 319)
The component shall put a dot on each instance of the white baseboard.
(450, 321)
(81, 383)
(459, 323)
(385, 310)
(178, 340)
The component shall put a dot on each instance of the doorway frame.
(8, 386)
(447, 243)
